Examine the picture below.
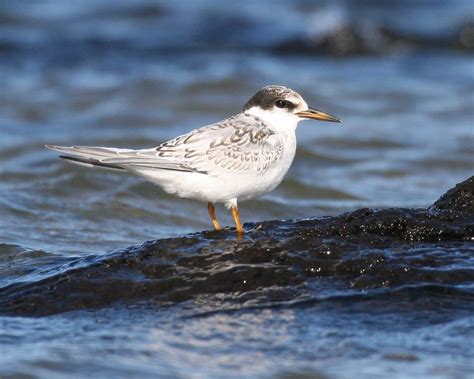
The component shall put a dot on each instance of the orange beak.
(317, 115)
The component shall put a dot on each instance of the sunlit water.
(407, 136)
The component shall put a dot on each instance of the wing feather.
(241, 143)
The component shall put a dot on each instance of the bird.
(239, 158)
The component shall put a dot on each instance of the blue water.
(133, 74)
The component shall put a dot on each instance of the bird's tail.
(88, 156)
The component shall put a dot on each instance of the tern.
(237, 159)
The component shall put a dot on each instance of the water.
(89, 73)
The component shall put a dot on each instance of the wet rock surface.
(365, 253)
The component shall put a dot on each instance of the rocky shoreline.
(366, 251)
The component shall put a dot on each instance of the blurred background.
(136, 73)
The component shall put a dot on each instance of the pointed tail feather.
(90, 162)
(87, 156)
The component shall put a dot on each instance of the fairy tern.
(239, 158)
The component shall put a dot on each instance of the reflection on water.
(240, 344)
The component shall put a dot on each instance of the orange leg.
(212, 214)
(238, 224)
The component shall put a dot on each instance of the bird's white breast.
(271, 178)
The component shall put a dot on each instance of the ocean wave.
(359, 253)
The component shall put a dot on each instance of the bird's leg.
(238, 224)
(212, 214)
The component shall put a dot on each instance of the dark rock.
(459, 199)
(353, 39)
(415, 251)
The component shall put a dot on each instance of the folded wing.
(241, 143)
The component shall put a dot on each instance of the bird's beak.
(317, 115)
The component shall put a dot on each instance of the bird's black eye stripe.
(284, 104)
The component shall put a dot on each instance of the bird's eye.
(283, 104)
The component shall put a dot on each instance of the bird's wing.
(114, 158)
(241, 143)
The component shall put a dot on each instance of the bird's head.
(281, 105)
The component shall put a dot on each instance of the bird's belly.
(218, 189)
(261, 184)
